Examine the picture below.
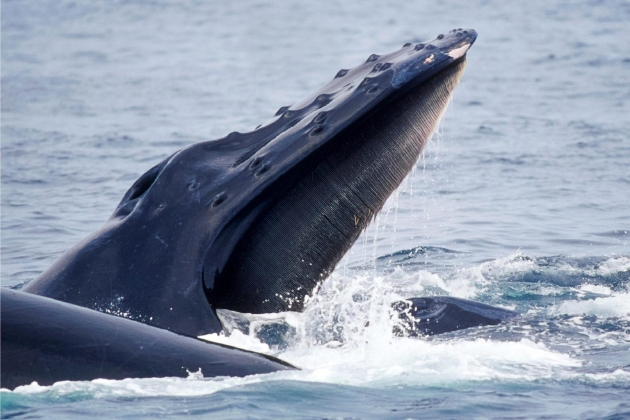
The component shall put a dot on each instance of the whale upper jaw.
(320, 209)
(326, 197)
(166, 251)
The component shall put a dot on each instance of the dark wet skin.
(442, 314)
(226, 223)
(251, 222)
(297, 243)
(46, 341)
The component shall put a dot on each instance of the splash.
(617, 305)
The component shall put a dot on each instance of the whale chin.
(320, 208)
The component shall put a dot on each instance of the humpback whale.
(441, 314)
(251, 222)
(45, 340)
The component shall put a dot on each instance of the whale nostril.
(407, 44)
(373, 89)
(419, 47)
(373, 57)
(255, 162)
(341, 73)
(440, 36)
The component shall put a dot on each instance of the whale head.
(253, 222)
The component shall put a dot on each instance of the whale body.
(45, 341)
(251, 222)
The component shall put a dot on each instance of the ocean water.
(521, 199)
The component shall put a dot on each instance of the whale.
(252, 222)
(432, 315)
(46, 341)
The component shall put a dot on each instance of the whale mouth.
(320, 208)
(253, 222)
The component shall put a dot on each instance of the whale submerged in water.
(251, 222)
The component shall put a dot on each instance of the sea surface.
(521, 200)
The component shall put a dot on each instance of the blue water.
(521, 200)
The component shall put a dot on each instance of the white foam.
(613, 265)
(238, 339)
(618, 376)
(596, 288)
(612, 306)
(344, 336)
(511, 264)
(152, 387)
(377, 363)
(420, 362)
